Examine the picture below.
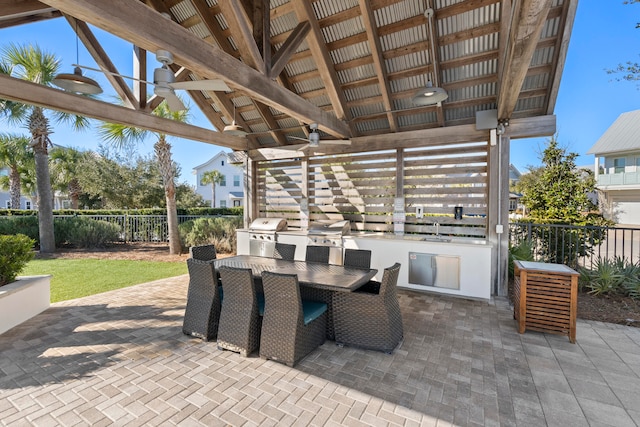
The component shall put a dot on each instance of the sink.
(437, 239)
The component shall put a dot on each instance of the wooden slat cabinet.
(545, 298)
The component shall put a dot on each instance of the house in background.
(617, 169)
(516, 208)
(230, 192)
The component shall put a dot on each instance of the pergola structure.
(351, 66)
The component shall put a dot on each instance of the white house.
(230, 192)
(617, 169)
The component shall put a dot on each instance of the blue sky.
(589, 99)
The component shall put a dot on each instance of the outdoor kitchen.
(457, 266)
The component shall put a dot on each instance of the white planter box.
(23, 299)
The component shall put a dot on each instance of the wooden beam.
(204, 13)
(140, 71)
(282, 57)
(304, 12)
(13, 9)
(240, 24)
(568, 17)
(43, 96)
(518, 128)
(139, 24)
(529, 17)
(241, 27)
(370, 26)
(102, 59)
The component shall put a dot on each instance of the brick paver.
(120, 358)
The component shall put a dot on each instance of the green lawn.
(75, 278)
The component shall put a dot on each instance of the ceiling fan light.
(429, 95)
(77, 83)
(234, 129)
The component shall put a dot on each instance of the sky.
(589, 99)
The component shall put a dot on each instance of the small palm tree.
(16, 156)
(125, 137)
(64, 168)
(214, 178)
(31, 63)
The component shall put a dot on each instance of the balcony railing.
(624, 178)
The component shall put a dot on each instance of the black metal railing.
(575, 245)
(141, 228)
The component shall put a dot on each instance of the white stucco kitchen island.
(455, 266)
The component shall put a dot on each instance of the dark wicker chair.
(317, 254)
(291, 327)
(203, 253)
(202, 313)
(370, 318)
(284, 251)
(358, 258)
(240, 321)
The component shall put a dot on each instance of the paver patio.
(120, 358)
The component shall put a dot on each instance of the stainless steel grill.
(329, 234)
(263, 234)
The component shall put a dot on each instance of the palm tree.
(124, 137)
(66, 162)
(212, 177)
(16, 156)
(31, 63)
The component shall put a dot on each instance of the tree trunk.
(74, 192)
(14, 188)
(39, 127)
(213, 194)
(163, 153)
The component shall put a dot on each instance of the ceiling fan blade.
(213, 85)
(174, 103)
(297, 137)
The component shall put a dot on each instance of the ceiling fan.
(164, 81)
(314, 140)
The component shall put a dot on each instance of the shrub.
(26, 225)
(631, 273)
(522, 251)
(218, 231)
(15, 252)
(605, 277)
(83, 232)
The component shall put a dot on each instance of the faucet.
(437, 226)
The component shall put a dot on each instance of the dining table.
(316, 275)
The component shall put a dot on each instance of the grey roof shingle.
(623, 135)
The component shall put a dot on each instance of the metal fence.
(142, 228)
(577, 245)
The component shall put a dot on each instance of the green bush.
(27, 225)
(15, 252)
(522, 251)
(604, 278)
(83, 232)
(218, 231)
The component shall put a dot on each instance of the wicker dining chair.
(202, 314)
(203, 252)
(291, 327)
(317, 254)
(284, 251)
(370, 317)
(359, 258)
(239, 328)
